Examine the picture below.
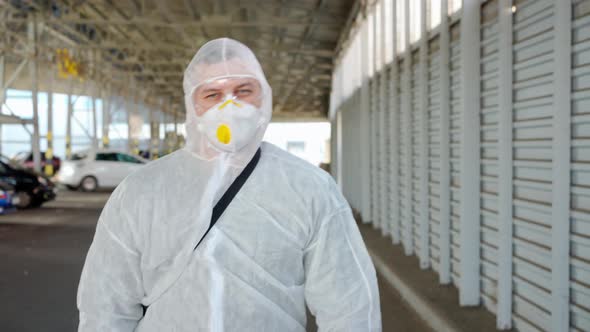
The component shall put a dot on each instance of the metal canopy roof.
(144, 45)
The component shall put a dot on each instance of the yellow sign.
(67, 66)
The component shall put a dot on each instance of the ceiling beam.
(204, 22)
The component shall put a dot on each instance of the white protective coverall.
(286, 240)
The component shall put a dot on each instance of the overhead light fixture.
(513, 9)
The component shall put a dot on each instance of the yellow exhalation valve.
(224, 134)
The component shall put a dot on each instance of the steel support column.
(34, 73)
(561, 166)
(106, 116)
(424, 226)
(366, 213)
(406, 96)
(395, 133)
(49, 152)
(69, 122)
(505, 166)
(445, 166)
(94, 122)
(470, 270)
(154, 135)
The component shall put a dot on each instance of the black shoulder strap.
(226, 199)
(231, 192)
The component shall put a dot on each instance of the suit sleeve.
(341, 286)
(110, 289)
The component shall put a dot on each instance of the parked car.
(8, 200)
(25, 159)
(93, 169)
(31, 189)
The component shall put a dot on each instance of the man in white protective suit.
(286, 239)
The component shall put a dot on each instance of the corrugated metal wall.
(352, 145)
(489, 115)
(406, 157)
(456, 111)
(416, 112)
(532, 145)
(434, 150)
(580, 185)
(415, 116)
(385, 192)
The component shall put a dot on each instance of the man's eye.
(212, 95)
(244, 91)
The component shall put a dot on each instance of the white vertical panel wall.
(385, 133)
(374, 134)
(416, 121)
(580, 175)
(489, 116)
(532, 143)
(434, 160)
(519, 137)
(353, 146)
(395, 152)
(504, 298)
(456, 112)
(444, 174)
(561, 167)
(405, 156)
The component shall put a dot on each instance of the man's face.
(244, 90)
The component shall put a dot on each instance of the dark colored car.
(31, 189)
(25, 159)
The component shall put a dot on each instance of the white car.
(90, 170)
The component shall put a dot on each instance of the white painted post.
(94, 121)
(136, 129)
(69, 122)
(175, 117)
(34, 72)
(469, 284)
(154, 134)
(424, 216)
(505, 160)
(374, 131)
(444, 244)
(128, 111)
(49, 170)
(383, 126)
(106, 116)
(365, 171)
(394, 119)
(561, 179)
(407, 105)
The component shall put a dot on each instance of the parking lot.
(42, 254)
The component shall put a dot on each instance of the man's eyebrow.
(207, 90)
(243, 85)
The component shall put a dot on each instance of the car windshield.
(128, 159)
(79, 156)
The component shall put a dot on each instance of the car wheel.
(25, 200)
(89, 183)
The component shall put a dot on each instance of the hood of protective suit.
(218, 60)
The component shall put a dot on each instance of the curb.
(425, 310)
